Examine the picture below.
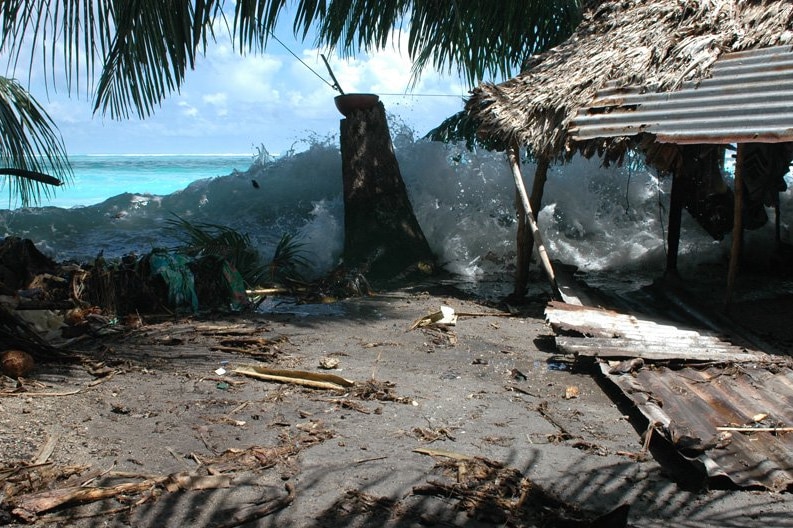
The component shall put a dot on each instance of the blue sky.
(233, 104)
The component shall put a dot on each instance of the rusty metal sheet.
(747, 98)
(687, 406)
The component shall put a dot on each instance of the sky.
(232, 104)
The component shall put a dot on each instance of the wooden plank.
(625, 348)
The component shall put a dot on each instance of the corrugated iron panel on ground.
(731, 388)
(689, 404)
(748, 98)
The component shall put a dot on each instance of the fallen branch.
(296, 377)
(28, 506)
(36, 394)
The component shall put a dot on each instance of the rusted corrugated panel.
(748, 98)
(687, 405)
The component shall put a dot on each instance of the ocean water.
(607, 222)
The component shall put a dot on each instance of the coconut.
(16, 363)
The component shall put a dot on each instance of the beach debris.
(261, 509)
(626, 367)
(373, 389)
(258, 347)
(296, 377)
(490, 491)
(16, 363)
(571, 392)
(345, 403)
(428, 435)
(445, 316)
(329, 363)
(354, 505)
(32, 490)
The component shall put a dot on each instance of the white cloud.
(230, 102)
(219, 101)
(188, 109)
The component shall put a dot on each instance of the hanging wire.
(336, 86)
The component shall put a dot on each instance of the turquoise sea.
(98, 177)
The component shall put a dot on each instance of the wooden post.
(737, 226)
(513, 153)
(675, 217)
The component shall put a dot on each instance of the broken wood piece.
(296, 377)
(46, 450)
(442, 453)
(757, 429)
(37, 394)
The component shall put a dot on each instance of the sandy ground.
(491, 388)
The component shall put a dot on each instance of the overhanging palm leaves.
(29, 145)
(139, 50)
(477, 38)
(145, 47)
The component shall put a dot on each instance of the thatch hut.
(677, 79)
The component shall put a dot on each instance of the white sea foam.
(597, 219)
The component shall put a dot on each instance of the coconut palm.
(129, 55)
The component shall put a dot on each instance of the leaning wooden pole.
(737, 226)
(513, 153)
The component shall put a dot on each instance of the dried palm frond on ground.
(491, 492)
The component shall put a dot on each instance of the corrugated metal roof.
(748, 98)
(693, 406)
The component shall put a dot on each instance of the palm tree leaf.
(30, 142)
(475, 38)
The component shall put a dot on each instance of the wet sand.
(491, 387)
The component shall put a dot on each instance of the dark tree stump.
(381, 234)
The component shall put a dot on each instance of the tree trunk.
(381, 234)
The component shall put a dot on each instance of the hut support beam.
(675, 218)
(513, 154)
(737, 226)
(524, 238)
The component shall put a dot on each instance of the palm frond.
(153, 45)
(30, 145)
(202, 239)
(289, 258)
(475, 38)
(72, 34)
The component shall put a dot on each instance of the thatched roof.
(654, 44)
